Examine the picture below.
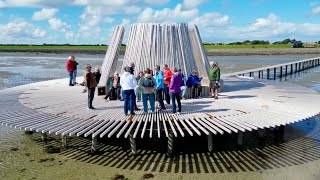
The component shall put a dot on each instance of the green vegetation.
(286, 43)
(227, 46)
(68, 47)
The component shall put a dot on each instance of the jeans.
(70, 78)
(117, 90)
(138, 93)
(160, 99)
(175, 96)
(90, 96)
(194, 87)
(145, 98)
(183, 91)
(74, 77)
(167, 94)
(128, 101)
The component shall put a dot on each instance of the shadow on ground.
(261, 150)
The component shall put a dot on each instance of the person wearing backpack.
(148, 84)
(91, 84)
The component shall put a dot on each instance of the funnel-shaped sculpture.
(156, 44)
(175, 45)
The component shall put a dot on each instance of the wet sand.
(22, 156)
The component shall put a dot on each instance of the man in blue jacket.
(160, 86)
(194, 81)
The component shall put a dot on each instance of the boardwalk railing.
(279, 70)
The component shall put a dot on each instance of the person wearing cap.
(214, 76)
(91, 84)
(160, 86)
(128, 83)
(174, 88)
(167, 73)
(70, 69)
(182, 85)
(74, 70)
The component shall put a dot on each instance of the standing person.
(84, 80)
(131, 67)
(160, 86)
(70, 69)
(128, 82)
(138, 90)
(182, 86)
(91, 84)
(194, 81)
(214, 76)
(74, 70)
(147, 84)
(115, 87)
(167, 73)
(175, 90)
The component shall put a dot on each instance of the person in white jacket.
(128, 83)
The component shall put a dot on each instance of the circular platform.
(244, 105)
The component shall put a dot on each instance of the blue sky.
(92, 21)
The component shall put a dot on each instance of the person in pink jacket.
(175, 90)
(70, 69)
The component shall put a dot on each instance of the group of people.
(162, 85)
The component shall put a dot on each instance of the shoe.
(92, 107)
(71, 85)
(132, 114)
(212, 96)
(137, 109)
(106, 97)
(121, 99)
(84, 91)
(177, 113)
(184, 98)
(216, 97)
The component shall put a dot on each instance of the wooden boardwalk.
(52, 107)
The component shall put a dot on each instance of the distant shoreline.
(209, 52)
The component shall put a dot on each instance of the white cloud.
(156, 2)
(167, 15)
(190, 4)
(69, 35)
(34, 3)
(20, 29)
(44, 14)
(211, 20)
(270, 28)
(108, 20)
(58, 25)
(315, 10)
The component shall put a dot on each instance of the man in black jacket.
(91, 83)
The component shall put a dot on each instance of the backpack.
(148, 82)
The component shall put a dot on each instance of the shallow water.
(22, 69)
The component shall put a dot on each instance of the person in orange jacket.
(167, 74)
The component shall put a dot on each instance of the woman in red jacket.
(167, 74)
(70, 69)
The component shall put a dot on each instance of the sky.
(92, 21)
